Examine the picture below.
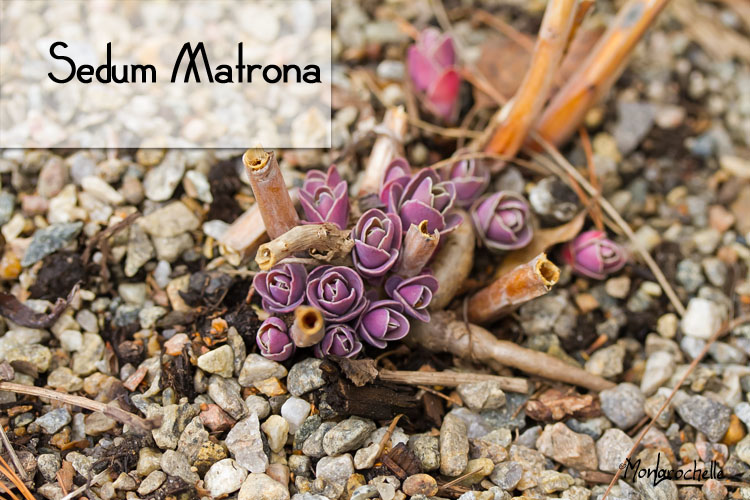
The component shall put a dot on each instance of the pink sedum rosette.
(340, 340)
(594, 255)
(274, 341)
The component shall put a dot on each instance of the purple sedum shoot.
(592, 254)
(273, 340)
(432, 69)
(502, 221)
(340, 340)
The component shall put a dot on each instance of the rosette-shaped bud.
(382, 322)
(337, 291)
(397, 175)
(414, 294)
(282, 288)
(431, 63)
(425, 198)
(325, 197)
(339, 340)
(470, 177)
(594, 255)
(377, 240)
(502, 220)
(274, 341)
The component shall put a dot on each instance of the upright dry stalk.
(385, 149)
(308, 328)
(275, 204)
(599, 71)
(445, 333)
(532, 94)
(419, 246)
(452, 263)
(324, 241)
(510, 291)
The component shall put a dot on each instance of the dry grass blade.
(612, 212)
(6, 471)
(122, 416)
(13, 455)
(452, 379)
(717, 334)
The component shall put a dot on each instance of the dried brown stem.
(452, 263)
(444, 333)
(271, 196)
(308, 328)
(453, 379)
(385, 149)
(510, 291)
(532, 94)
(599, 71)
(323, 241)
(13, 455)
(122, 416)
(717, 334)
(419, 246)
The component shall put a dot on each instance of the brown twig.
(533, 92)
(322, 241)
(595, 210)
(510, 291)
(444, 333)
(596, 75)
(521, 39)
(452, 263)
(13, 455)
(388, 434)
(612, 212)
(122, 416)
(419, 246)
(452, 379)
(271, 196)
(717, 334)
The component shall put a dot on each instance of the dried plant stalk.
(507, 293)
(444, 333)
(532, 94)
(599, 71)
(419, 246)
(122, 416)
(385, 149)
(323, 241)
(453, 379)
(271, 196)
(308, 328)
(452, 263)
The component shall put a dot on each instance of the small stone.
(63, 378)
(666, 325)
(295, 411)
(139, 250)
(174, 420)
(96, 424)
(618, 287)
(171, 220)
(743, 450)
(210, 453)
(300, 465)
(735, 432)
(160, 182)
(148, 461)
(335, 470)
(487, 395)
(659, 369)
(192, 439)
(124, 482)
(80, 462)
(37, 355)
(635, 119)
(216, 419)
(569, 448)
(706, 415)
(101, 190)
(623, 405)
(257, 368)
(714, 490)
(305, 376)
(420, 484)
(259, 486)
(607, 362)
(49, 240)
(152, 482)
(175, 463)
(54, 420)
(347, 435)
(276, 429)
(612, 448)
(219, 361)
(476, 470)
(313, 445)
(92, 350)
(258, 405)
(246, 444)
(270, 387)
(551, 481)
(224, 477)
(454, 446)
(427, 450)
(720, 218)
(742, 410)
(507, 475)
(197, 186)
(225, 392)
(48, 464)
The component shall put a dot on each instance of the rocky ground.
(164, 323)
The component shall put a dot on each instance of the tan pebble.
(279, 472)
(720, 218)
(270, 387)
(735, 432)
(420, 484)
(174, 345)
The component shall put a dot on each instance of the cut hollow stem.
(308, 328)
(510, 291)
(273, 200)
(419, 246)
(452, 263)
(322, 241)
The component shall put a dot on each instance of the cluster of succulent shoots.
(432, 69)
(389, 282)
